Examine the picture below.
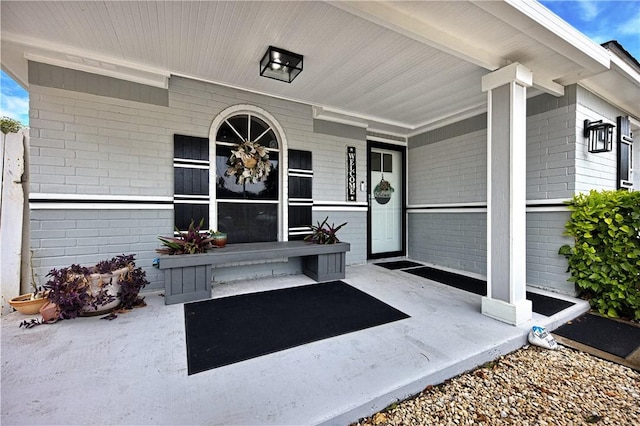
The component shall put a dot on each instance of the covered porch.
(133, 370)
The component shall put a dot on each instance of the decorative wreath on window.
(248, 162)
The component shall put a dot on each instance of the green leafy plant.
(9, 125)
(323, 233)
(191, 241)
(604, 261)
(71, 289)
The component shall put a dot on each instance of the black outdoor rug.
(547, 306)
(398, 264)
(541, 304)
(232, 329)
(461, 282)
(608, 335)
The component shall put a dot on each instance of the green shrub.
(9, 125)
(604, 262)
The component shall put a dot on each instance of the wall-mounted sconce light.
(599, 134)
(280, 64)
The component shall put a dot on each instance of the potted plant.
(218, 239)
(328, 266)
(83, 291)
(186, 278)
(323, 233)
(191, 241)
(30, 303)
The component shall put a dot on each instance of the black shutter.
(300, 193)
(191, 181)
(625, 146)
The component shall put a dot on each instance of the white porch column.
(506, 194)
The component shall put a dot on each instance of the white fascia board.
(82, 60)
(620, 65)
(385, 15)
(551, 30)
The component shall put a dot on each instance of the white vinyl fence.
(12, 205)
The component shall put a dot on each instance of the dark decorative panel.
(189, 181)
(625, 155)
(191, 147)
(300, 159)
(185, 213)
(300, 187)
(299, 216)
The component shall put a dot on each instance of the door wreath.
(382, 192)
(248, 162)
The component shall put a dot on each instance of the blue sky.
(603, 21)
(14, 100)
(600, 20)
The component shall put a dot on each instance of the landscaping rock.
(532, 386)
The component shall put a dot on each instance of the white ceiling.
(394, 66)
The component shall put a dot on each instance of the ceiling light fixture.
(280, 64)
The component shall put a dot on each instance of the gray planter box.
(187, 277)
(324, 267)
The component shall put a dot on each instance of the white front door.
(386, 202)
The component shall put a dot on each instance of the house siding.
(121, 149)
(545, 268)
(594, 171)
(447, 174)
(118, 144)
(451, 240)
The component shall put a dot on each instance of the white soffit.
(398, 66)
(423, 28)
(620, 85)
(77, 59)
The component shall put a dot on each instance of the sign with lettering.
(352, 187)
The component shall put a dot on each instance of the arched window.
(247, 211)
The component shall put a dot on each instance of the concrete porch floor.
(133, 370)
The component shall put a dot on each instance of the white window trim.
(283, 193)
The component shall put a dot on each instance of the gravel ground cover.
(532, 386)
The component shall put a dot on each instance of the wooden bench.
(188, 277)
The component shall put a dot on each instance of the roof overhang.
(396, 67)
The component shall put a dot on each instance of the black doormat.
(461, 282)
(606, 334)
(546, 305)
(232, 329)
(541, 304)
(398, 264)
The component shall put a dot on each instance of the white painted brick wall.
(87, 144)
(551, 154)
(452, 240)
(450, 171)
(60, 238)
(594, 171)
(547, 269)
(189, 99)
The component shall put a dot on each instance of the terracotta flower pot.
(25, 305)
(219, 240)
(49, 312)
